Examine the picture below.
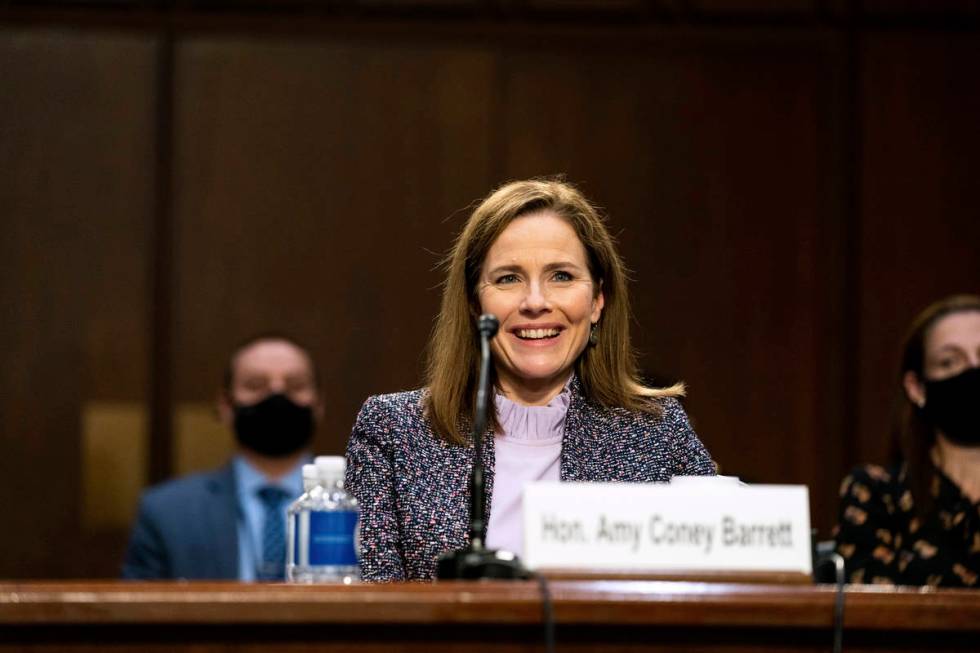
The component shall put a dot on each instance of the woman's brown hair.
(607, 369)
(914, 437)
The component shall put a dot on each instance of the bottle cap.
(331, 465)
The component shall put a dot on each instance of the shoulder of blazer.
(587, 419)
(187, 490)
(395, 403)
(380, 413)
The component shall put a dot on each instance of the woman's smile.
(536, 335)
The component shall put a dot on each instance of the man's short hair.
(263, 337)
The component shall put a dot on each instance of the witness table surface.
(493, 616)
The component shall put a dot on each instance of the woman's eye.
(561, 275)
(949, 364)
(507, 278)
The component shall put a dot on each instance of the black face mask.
(953, 406)
(274, 427)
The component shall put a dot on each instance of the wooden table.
(475, 616)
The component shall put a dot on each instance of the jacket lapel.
(489, 464)
(574, 448)
(222, 523)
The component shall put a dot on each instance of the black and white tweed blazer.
(413, 487)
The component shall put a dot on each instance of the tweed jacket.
(413, 487)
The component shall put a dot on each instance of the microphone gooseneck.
(476, 561)
(487, 326)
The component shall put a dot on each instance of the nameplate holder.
(694, 526)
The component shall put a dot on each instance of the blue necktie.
(273, 564)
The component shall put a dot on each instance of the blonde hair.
(607, 370)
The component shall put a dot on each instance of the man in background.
(230, 523)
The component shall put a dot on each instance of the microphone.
(487, 325)
(476, 561)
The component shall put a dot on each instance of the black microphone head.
(488, 324)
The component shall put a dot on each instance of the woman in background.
(568, 403)
(918, 522)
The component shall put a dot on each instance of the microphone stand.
(476, 561)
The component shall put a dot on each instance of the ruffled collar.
(534, 423)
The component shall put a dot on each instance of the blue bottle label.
(332, 538)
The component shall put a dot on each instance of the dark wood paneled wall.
(920, 201)
(76, 184)
(789, 187)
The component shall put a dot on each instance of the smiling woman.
(568, 406)
(536, 281)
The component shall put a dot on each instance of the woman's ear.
(915, 390)
(598, 303)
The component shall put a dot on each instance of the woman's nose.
(535, 298)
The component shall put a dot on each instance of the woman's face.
(952, 346)
(536, 280)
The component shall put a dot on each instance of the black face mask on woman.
(275, 426)
(953, 406)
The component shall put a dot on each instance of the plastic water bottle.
(324, 529)
(334, 541)
(297, 519)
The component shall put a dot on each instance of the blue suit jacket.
(186, 528)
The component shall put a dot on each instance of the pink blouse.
(529, 449)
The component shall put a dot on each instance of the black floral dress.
(882, 541)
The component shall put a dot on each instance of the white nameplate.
(710, 524)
